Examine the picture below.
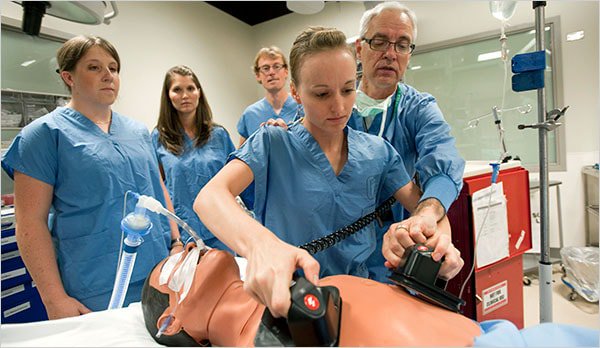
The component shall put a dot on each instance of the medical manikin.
(216, 310)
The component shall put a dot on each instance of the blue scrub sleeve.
(255, 152)
(242, 128)
(227, 143)
(439, 164)
(34, 153)
(155, 144)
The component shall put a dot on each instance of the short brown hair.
(272, 52)
(314, 40)
(73, 50)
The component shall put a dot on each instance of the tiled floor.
(578, 312)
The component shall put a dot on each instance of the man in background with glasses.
(271, 70)
(410, 120)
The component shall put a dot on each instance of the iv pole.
(546, 123)
(529, 75)
(545, 266)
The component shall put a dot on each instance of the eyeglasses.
(276, 67)
(382, 45)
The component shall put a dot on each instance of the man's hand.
(275, 122)
(422, 229)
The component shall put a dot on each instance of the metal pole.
(545, 266)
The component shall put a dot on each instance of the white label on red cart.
(22, 307)
(495, 297)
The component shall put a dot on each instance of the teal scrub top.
(90, 171)
(299, 197)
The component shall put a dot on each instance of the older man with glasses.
(271, 70)
(410, 120)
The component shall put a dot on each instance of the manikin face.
(383, 70)
(273, 80)
(184, 94)
(95, 79)
(326, 90)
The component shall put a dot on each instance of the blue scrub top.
(299, 198)
(262, 111)
(186, 175)
(417, 129)
(90, 171)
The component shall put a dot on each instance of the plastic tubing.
(124, 272)
(155, 206)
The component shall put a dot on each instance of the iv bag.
(502, 10)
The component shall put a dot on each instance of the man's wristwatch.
(176, 242)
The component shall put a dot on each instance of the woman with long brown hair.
(190, 147)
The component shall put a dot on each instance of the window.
(466, 77)
(30, 85)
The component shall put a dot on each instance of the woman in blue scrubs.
(312, 179)
(191, 149)
(75, 164)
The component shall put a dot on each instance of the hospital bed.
(123, 327)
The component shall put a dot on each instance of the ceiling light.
(574, 36)
(489, 56)
(416, 67)
(28, 63)
(85, 12)
(305, 7)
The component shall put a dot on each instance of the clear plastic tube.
(122, 281)
(124, 271)
(185, 226)
(155, 206)
(133, 226)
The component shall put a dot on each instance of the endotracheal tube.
(134, 226)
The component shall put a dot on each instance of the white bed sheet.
(122, 327)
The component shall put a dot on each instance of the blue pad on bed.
(503, 333)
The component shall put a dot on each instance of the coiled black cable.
(329, 240)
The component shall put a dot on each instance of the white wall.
(151, 37)
(446, 20)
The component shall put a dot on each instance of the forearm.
(37, 251)
(220, 213)
(430, 207)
